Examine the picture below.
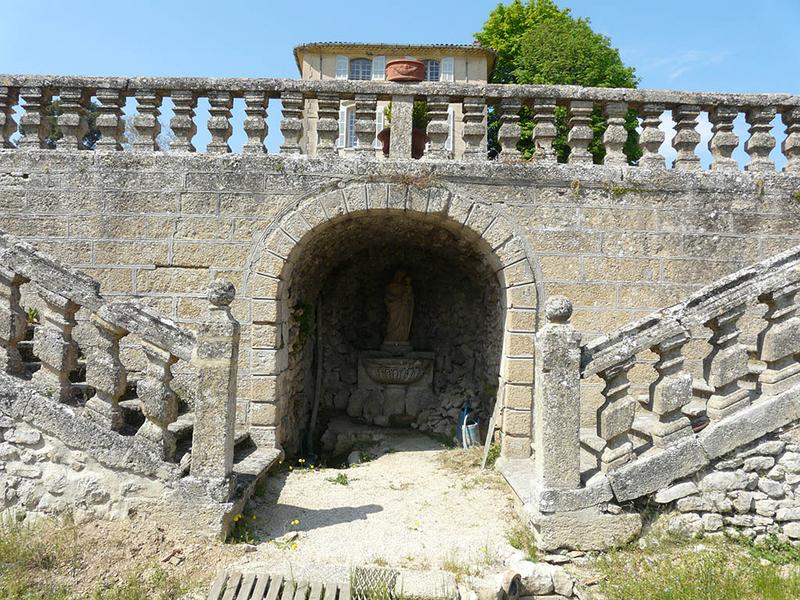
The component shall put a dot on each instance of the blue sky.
(720, 45)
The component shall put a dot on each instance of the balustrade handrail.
(708, 302)
(347, 89)
(81, 289)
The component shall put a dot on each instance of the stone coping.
(385, 89)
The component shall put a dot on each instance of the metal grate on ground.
(374, 584)
(262, 586)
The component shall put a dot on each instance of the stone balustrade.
(643, 443)
(63, 292)
(321, 100)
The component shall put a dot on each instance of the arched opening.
(325, 283)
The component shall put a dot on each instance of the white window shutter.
(378, 125)
(342, 67)
(342, 127)
(379, 68)
(451, 129)
(447, 69)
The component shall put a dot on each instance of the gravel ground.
(417, 506)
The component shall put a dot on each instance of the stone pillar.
(402, 123)
(474, 119)
(13, 322)
(109, 119)
(215, 359)
(106, 374)
(726, 365)
(72, 119)
(182, 123)
(219, 121)
(255, 123)
(615, 135)
(438, 128)
(291, 122)
(779, 342)
(652, 136)
(671, 391)
(580, 132)
(615, 416)
(686, 137)
(8, 127)
(145, 122)
(509, 132)
(791, 143)
(33, 124)
(366, 105)
(328, 124)
(723, 140)
(556, 420)
(761, 141)
(159, 402)
(544, 132)
(54, 347)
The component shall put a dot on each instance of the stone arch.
(269, 275)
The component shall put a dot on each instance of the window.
(432, 70)
(360, 69)
(351, 127)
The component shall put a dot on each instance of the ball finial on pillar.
(558, 309)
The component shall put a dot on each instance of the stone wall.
(753, 491)
(619, 242)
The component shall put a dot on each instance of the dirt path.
(417, 507)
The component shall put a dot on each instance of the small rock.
(712, 522)
(790, 461)
(287, 537)
(27, 471)
(249, 547)
(792, 530)
(788, 514)
(354, 458)
(759, 463)
(724, 481)
(676, 492)
(773, 489)
(563, 584)
(556, 559)
(537, 578)
(26, 437)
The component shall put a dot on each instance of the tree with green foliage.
(539, 43)
(54, 130)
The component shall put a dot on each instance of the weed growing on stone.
(461, 569)
(773, 550)
(796, 196)
(493, 454)
(244, 529)
(521, 537)
(341, 479)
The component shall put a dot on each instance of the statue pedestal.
(393, 385)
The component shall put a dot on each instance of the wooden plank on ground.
(316, 591)
(233, 584)
(330, 591)
(344, 592)
(247, 586)
(215, 593)
(260, 589)
(301, 591)
(288, 590)
(275, 587)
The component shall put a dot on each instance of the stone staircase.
(76, 389)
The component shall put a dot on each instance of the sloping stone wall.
(619, 242)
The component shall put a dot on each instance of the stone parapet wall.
(753, 491)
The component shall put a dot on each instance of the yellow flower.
(254, 517)
(236, 518)
(294, 546)
(296, 522)
(302, 460)
(312, 466)
(291, 468)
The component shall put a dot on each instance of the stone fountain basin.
(395, 370)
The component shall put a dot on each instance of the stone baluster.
(791, 143)
(145, 122)
(761, 141)
(72, 120)
(615, 135)
(438, 128)
(671, 391)
(474, 128)
(327, 124)
(13, 322)
(723, 140)
(726, 365)
(580, 133)
(33, 123)
(8, 126)
(615, 416)
(255, 123)
(557, 399)
(652, 136)
(544, 132)
(105, 373)
(182, 122)
(219, 121)
(215, 361)
(291, 121)
(402, 122)
(779, 342)
(54, 346)
(366, 105)
(509, 132)
(159, 402)
(109, 119)
(686, 137)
